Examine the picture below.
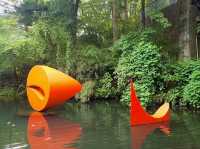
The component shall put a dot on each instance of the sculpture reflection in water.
(140, 133)
(51, 132)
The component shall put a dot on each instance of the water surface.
(93, 126)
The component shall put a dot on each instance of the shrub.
(143, 92)
(142, 61)
(104, 87)
(191, 93)
(178, 77)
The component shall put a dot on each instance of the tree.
(143, 14)
(72, 15)
(114, 20)
(95, 23)
(31, 10)
(126, 9)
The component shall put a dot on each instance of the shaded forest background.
(104, 43)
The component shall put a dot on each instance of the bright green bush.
(142, 61)
(191, 93)
(143, 92)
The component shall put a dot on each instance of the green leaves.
(183, 82)
(141, 60)
(54, 41)
(17, 48)
(31, 10)
(160, 19)
(191, 93)
(95, 22)
(104, 87)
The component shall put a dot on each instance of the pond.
(93, 126)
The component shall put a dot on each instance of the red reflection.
(50, 132)
(139, 133)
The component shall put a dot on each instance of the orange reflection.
(51, 132)
(140, 133)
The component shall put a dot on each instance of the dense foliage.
(191, 93)
(180, 80)
(102, 44)
(141, 61)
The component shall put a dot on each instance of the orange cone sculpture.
(139, 116)
(48, 87)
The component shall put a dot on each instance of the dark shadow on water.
(51, 132)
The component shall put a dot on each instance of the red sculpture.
(139, 116)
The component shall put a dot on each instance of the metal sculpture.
(139, 116)
(48, 87)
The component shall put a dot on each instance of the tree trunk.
(114, 20)
(73, 12)
(143, 15)
(187, 26)
(126, 9)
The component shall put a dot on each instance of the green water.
(93, 126)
